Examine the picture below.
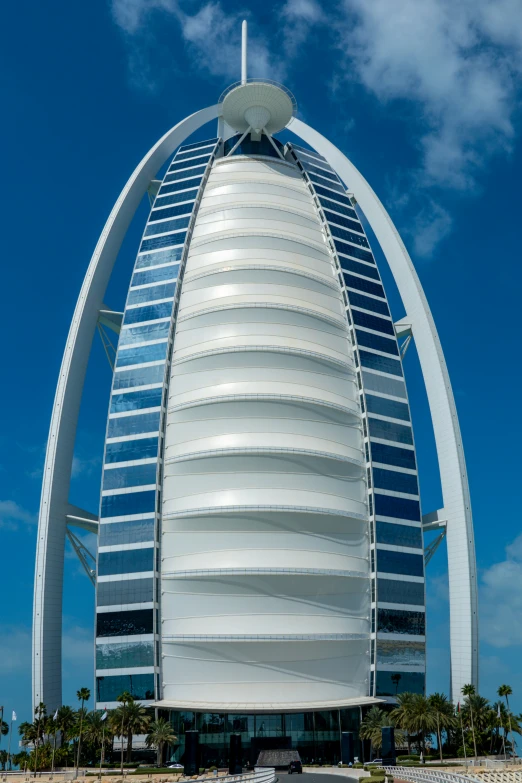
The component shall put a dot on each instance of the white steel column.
(452, 464)
(48, 582)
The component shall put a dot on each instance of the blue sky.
(424, 97)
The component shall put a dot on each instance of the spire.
(244, 51)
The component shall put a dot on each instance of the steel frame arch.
(452, 464)
(54, 502)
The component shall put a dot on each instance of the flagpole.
(462, 729)
(104, 716)
(13, 717)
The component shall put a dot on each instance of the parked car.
(376, 761)
(175, 766)
(295, 766)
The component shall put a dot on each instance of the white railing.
(423, 775)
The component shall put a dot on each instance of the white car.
(175, 766)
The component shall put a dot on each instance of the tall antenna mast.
(244, 51)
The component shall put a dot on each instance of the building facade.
(260, 562)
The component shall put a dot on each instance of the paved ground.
(312, 777)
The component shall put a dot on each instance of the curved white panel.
(263, 478)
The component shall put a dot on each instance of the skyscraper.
(260, 534)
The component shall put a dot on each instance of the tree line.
(474, 728)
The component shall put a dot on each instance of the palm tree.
(65, 723)
(423, 720)
(160, 734)
(4, 728)
(401, 715)
(507, 690)
(83, 695)
(469, 691)
(118, 718)
(39, 713)
(373, 723)
(96, 731)
(3, 759)
(20, 759)
(138, 720)
(443, 712)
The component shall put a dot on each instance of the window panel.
(163, 241)
(393, 455)
(350, 250)
(324, 186)
(125, 591)
(348, 265)
(401, 621)
(149, 313)
(128, 504)
(132, 425)
(399, 508)
(382, 363)
(127, 450)
(196, 160)
(319, 171)
(391, 591)
(155, 275)
(384, 407)
(373, 322)
(147, 398)
(131, 476)
(370, 340)
(344, 221)
(141, 686)
(349, 236)
(184, 174)
(131, 623)
(175, 198)
(125, 656)
(389, 430)
(136, 531)
(150, 294)
(409, 682)
(361, 285)
(341, 198)
(167, 212)
(389, 562)
(395, 481)
(127, 561)
(159, 257)
(207, 149)
(381, 383)
(166, 225)
(197, 144)
(174, 187)
(142, 354)
(140, 334)
(307, 151)
(359, 300)
(140, 376)
(398, 535)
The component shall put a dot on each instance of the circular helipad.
(268, 104)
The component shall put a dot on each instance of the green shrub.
(411, 757)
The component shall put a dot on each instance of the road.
(315, 777)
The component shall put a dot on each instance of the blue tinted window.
(344, 221)
(391, 455)
(125, 591)
(129, 655)
(362, 285)
(197, 144)
(395, 481)
(342, 233)
(398, 508)
(150, 294)
(132, 476)
(142, 354)
(400, 563)
(163, 241)
(398, 535)
(128, 504)
(155, 275)
(373, 322)
(166, 225)
(384, 384)
(147, 398)
(140, 334)
(307, 151)
(359, 300)
(204, 148)
(401, 621)
(195, 160)
(391, 408)
(392, 591)
(167, 212)
(133, 425)
(175, 198)
(319, 171)
(248, 146)
(135, 531)
(409, 682)
(128, 561)
(370, 340)
(343, 208)
(131, 623)
(125, 451)
(340, 197)
(348, 265)
(324, 185)
(140, 376)
(389, 430)
(350, 250)
(185, 173)
(141, 686)
(382, 363)
(174, 187)
(159, 257)
(149, 313)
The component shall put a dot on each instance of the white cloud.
(501, 599)
(12, 514)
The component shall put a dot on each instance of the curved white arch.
(452, 464)
(48, 581)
